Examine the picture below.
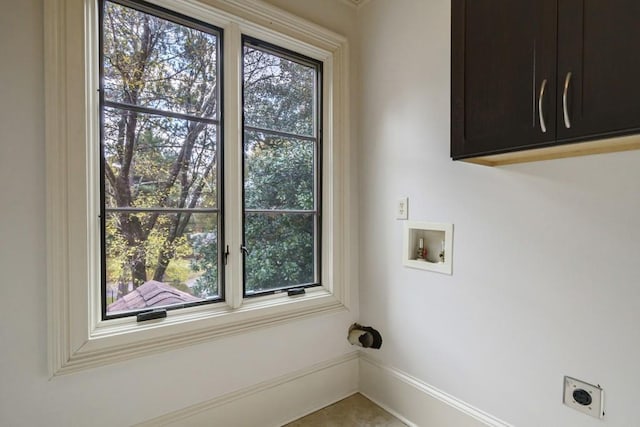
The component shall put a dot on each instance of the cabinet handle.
(565, 109)
(543, 125)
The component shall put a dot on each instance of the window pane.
(153, 62)
(157, 259)
(279, 172)
(282, 251)
(279, 93)
(156, 161)
(160, 166)
(281, 169)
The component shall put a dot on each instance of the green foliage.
(279, 172)
(282, 252)
(205, 261)
(119, 249)
(178, 272)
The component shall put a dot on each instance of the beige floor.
(354, 411)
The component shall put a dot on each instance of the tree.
(205, 260)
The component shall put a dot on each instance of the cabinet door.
(599, 44)
(503, 59)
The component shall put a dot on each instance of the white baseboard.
(274, 402)
(416, 403)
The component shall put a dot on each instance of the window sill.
(121, 339)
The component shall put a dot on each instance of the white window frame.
(78, 337)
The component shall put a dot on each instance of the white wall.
(545, 268)
(139, 389)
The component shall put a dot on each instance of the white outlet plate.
(595, 408)
(402, 211)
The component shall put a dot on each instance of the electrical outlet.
(584, 397)
(403, 208)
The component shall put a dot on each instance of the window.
(282, 165)
(162, 169)
(160, 159)
(197, 162)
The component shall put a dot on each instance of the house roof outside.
(151, 294)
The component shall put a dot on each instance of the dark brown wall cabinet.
(531, 78)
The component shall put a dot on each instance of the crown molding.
(355, 3)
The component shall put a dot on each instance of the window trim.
(78, 338)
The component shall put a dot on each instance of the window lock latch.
(151, 315)
(295, 291)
